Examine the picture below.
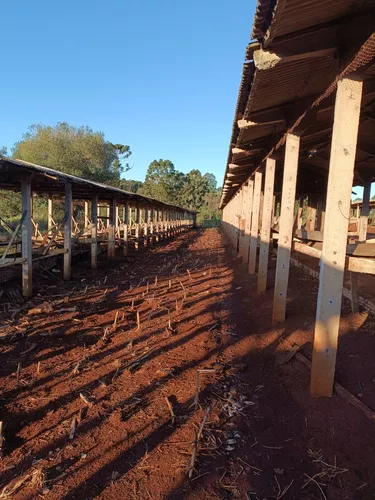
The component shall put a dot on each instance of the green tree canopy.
(210, 208)
(195, 187)
(75, 150)
(130, 185)
(163, 182)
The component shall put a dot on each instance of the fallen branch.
(196, 442)
(170, 407)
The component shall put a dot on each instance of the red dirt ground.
(264, 436)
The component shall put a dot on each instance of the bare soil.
(104, 407)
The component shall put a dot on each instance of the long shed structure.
(302, 137)
(111, 216)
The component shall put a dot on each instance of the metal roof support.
(94, 232)
(340, 179)
(68, 232)
(27, 264)
(265, 233)
(286, 223)
(255, 223)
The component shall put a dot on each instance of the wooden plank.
(265, 233)
(27, 265)
(68, 232)
(286, 227)
(255, 223)
(306, 250)
(340, 178)
(94, 232)
(308, 235)
(358, 265)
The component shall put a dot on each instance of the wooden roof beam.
(265, 60)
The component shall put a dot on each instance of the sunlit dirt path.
(159, 378)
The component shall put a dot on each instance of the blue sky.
(160, 76)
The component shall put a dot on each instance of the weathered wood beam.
(286, 227)
(68, 232)
(94, 232)
(266, 225)
(246, 124)
(50, 214)
(27, 255)
(265, 60)
(255, 223)
(112, 229)
(341, 169)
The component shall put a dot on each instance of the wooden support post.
(152, 216)
(365, 211)
(87, 220)
(255, 223)
(299, 213)
(107, 214)
(126, 227)
(94, 232)
(242, 244)
(194, 218)
(286, 227)
(248, 218)
(68, 232)
(112, 230)
(50, 215)
(311, 214)
(27, 249)
(137, 224)
(340, 178)
(265, 233)
(145, 239)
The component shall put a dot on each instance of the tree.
(75, 150)
(211, 181)
(163, 182)
(195, 187)
(210, 208)
(130, 185)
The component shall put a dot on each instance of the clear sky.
(161, 76)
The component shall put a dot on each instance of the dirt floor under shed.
(100, 398)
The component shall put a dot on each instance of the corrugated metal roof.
(282, 17)
(290, 81)
(12, 169)
(295, 73)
